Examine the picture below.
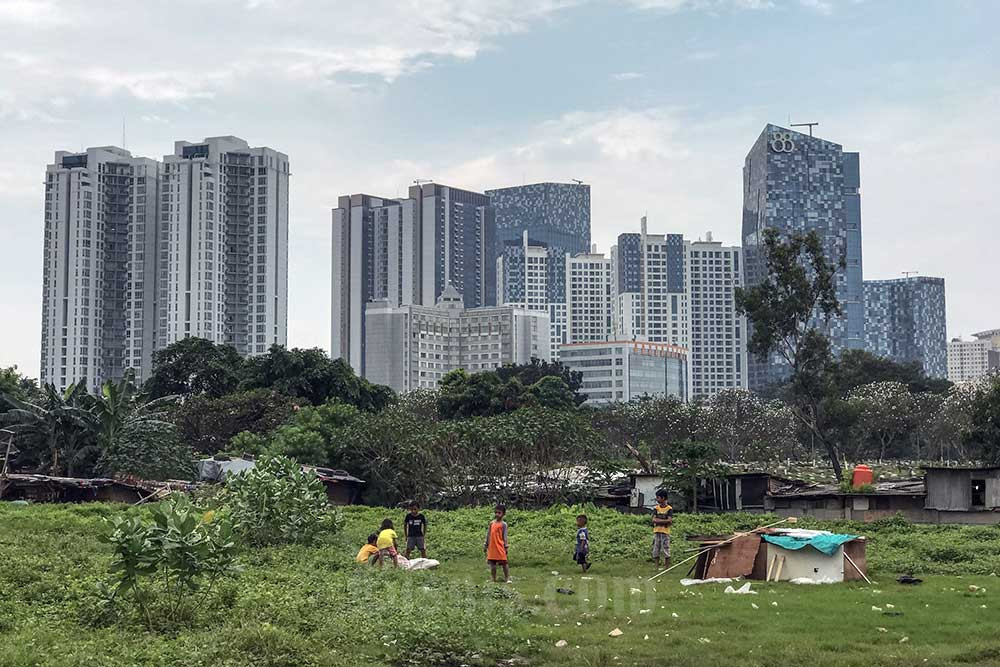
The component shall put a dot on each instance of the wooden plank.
(857, 551)
(735, 559)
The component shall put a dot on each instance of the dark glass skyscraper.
(905, 322)
(556, 215)
(796, 183)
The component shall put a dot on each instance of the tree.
(133, 435)
(17, 386)
(530, 373)
(884, 414)
(208, 424)
(316, 435)
(194, 366)
(983, 436)
(487, 393)
(747, 427)
(694, 461)
(628, 427)
(858, 367)
(56, 434)
(310, 374)
(797, 295)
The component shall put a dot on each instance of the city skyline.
(642, 123)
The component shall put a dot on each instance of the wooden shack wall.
(948, 489)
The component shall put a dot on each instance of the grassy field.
(313, 606)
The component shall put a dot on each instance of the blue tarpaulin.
(827, 544)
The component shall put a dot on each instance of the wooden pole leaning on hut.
(737, 536)
(863, 575)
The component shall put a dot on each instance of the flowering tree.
(884, 415)
(748, 427)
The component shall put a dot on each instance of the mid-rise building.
(796, 183)
(412, 347)
(717, 339)
(589, 303)
(407, 251)
(141, 253)
(100, 266)
(971, 359)
(523, 274)
(224, 245)
(615, 371)
(905, 322)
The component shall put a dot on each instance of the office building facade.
(796, 183)
(555, 215)
(905, 322)
(140, 253)
(970, 360)
(615, 371)
(412, 347)
(717, 337)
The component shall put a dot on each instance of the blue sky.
(653, 102)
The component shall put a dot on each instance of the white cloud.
(31, 13)
(627, 76)
(155, 86)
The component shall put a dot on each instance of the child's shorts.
(492, 561)
(661, 545)
(580, 557)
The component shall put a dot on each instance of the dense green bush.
(169, 564)
(277, 502)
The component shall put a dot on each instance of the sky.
(654, 103)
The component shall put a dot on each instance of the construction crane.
(809, 125)
(577, 181)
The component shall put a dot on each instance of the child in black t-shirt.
(582, 549)
(415, 529)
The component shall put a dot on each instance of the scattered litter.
(712, 580)
(904, 640)
(645, 611)
(810, 580)
(754, 605)
(892, 613)
(878, 609)
(565, 591)
(633, 591)
(579, 623)
(774, 604)
(645, 637)
(973, 588)
(705, 640)
(882, 629)
(674, 614)
(586, 578)
(555, 625)
(615, 633)
(561, 643)
(875, 591)
(742, 590)
(890, 606)
(982, 606)
(908, 579)
(554, 573)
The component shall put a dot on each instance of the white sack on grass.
(418, 563)
(713, 580)
(809, 580)
(742, 590)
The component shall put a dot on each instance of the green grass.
(313, 606)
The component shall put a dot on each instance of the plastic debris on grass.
(561, 643)
(711, 580)
(615, 633)
(742, 590)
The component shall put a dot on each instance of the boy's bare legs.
(506, 573)
(493, 571)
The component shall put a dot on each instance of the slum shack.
(781, 555)
(342, 488)
(49, 489)
(966, 489)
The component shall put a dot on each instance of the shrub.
(277, 502)
(183, 551)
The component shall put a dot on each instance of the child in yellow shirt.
(386, 543)
(369, 552)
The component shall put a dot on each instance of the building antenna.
(421, 181)
(809, 125)
(909, 273)
(577, 181)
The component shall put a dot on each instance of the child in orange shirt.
(496, 544)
